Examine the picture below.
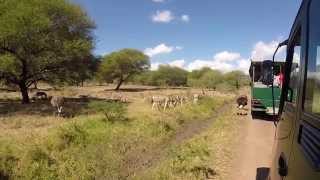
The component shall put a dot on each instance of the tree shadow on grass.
(7, 90)
(3, 176)
(73, 107)
(135, 89)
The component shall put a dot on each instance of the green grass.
(187, 161)
(91, 147)
(208, 155)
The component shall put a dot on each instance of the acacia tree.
(121, 65)
(38, 39)
(236, 79)
(211, 79)
(194, 77)
(82, 70)
(170, 76)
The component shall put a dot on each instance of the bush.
(203, 78)
(170, 76)
(71, 135)
(38, 164)
(164, 76)
(8, 161)
(190, 160)
(113, 111)
(214, 79)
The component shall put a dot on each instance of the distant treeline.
(204, 78)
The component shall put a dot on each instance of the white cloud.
(185, 18)
(243, 65)
(224, 61)
(226, 56)
(264, 51)
(155, 66)
(158, 1)
(213, 64)
(178, 63)
(198, 64)
(165, 16)
(161, 49)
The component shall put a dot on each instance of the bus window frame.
(291, 50)
(308, 117)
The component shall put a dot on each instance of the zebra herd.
(172, 101)
(158, 101)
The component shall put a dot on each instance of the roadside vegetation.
(208, 155)
(100, 145)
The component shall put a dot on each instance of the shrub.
(205, 78)
(164, 76)
(38, 164)
(191, 157)
(190, 160)
(71, 135)
(7, 163)
(113, 111)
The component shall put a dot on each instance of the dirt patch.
(253, 151)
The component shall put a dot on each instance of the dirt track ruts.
(150, 158)
(254, 149)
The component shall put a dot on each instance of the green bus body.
(261, 94)
(262, 99)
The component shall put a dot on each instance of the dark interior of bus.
(261, 72)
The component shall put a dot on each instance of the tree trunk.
(24, 93)
(119, 84)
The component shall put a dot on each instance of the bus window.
(294, 74)
(312, 93)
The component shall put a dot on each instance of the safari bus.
(296, 149)
(266, 81)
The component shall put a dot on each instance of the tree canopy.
(39, 39)
(170, 76)
(205, 78)
(121, 65)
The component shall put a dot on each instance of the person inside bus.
(278, 80)
(281, 78)
(267, 73)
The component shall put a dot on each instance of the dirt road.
(254, 149)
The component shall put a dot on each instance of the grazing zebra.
(158, 101)
(196, 98)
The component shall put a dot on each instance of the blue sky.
(221, 34)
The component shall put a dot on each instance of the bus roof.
(260, 62)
